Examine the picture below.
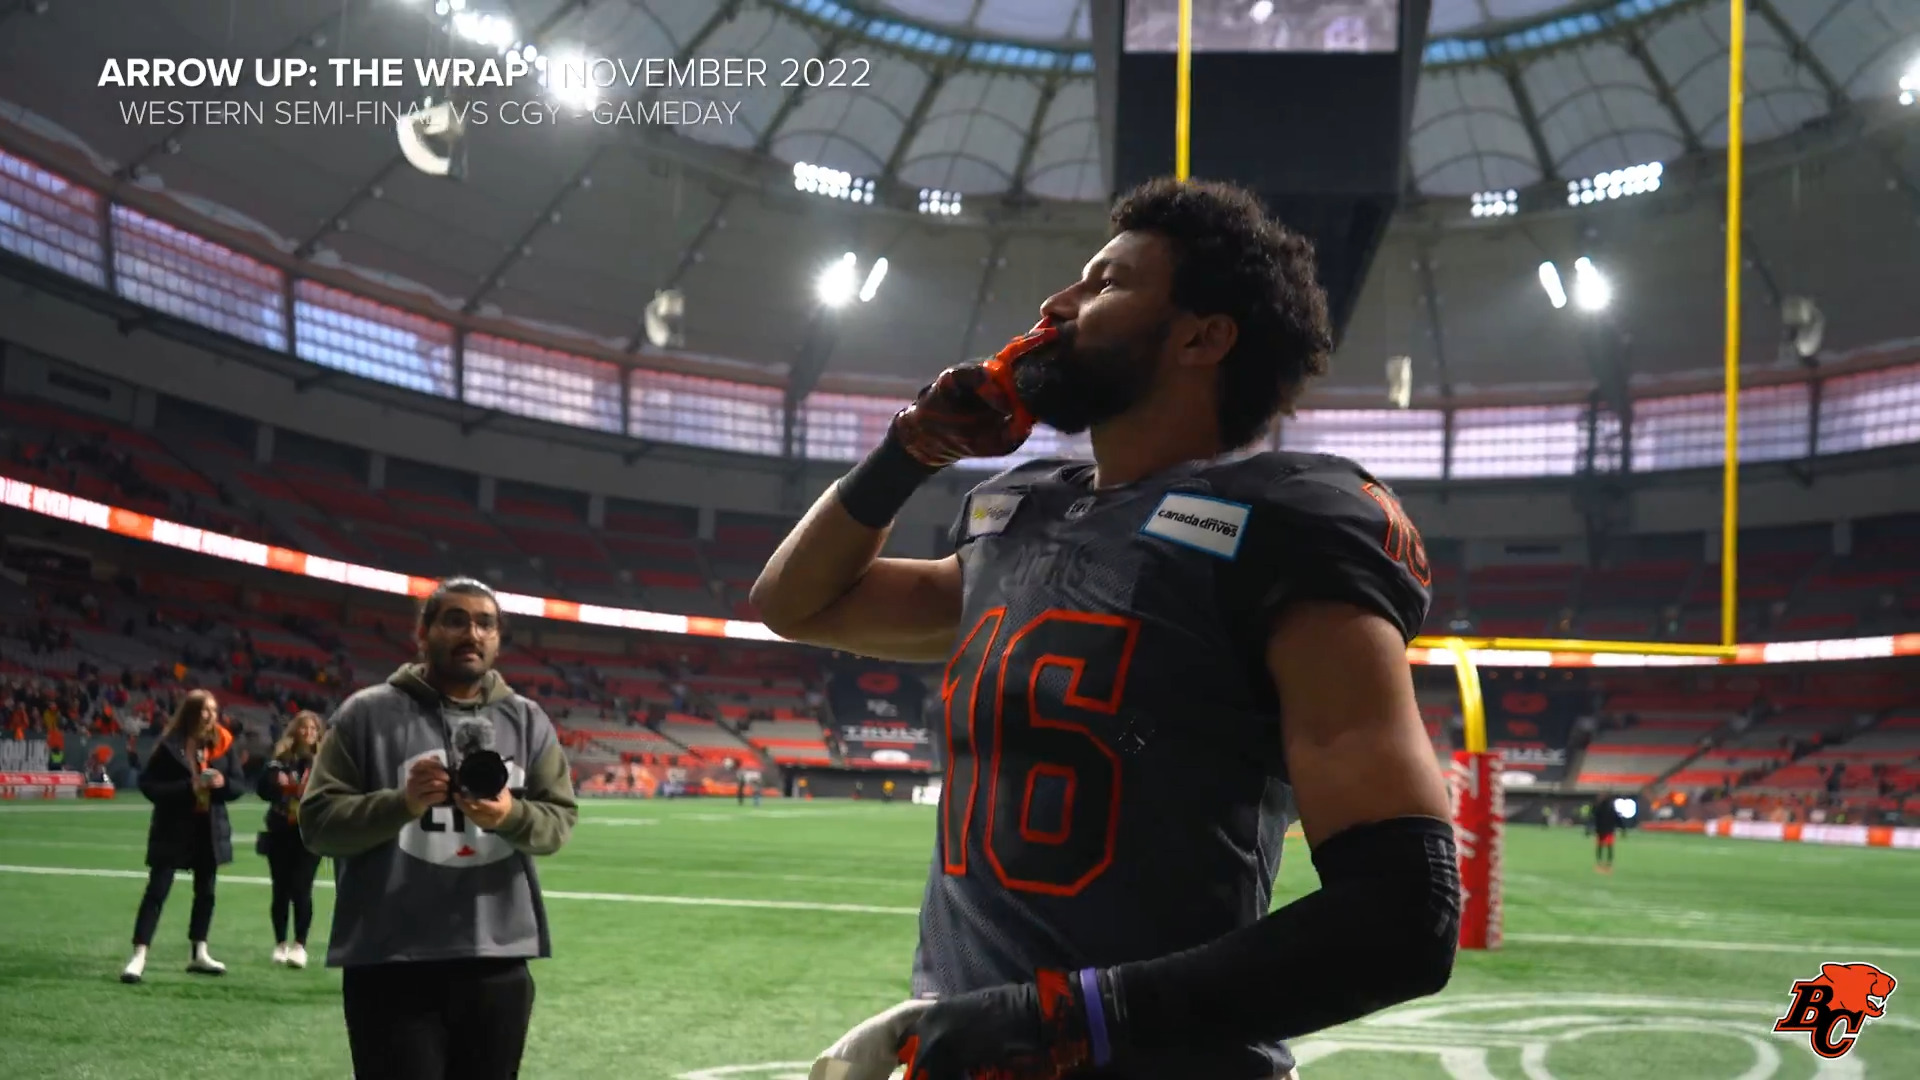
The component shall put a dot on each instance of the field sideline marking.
(557, 894)
(876, 909)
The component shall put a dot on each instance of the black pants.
(159, 883)
(452, 1019)
(291, 867)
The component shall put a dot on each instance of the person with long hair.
(192, 774)
(289, 862)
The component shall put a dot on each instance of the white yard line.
(1829, 950)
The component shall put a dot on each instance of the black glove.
(1026, 1031)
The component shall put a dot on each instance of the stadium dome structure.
(972, 162)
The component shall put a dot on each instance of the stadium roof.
(573, 226)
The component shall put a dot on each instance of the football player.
(1150, 656)
(1606, 822)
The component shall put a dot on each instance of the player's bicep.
(1356, 748)
(900, 609)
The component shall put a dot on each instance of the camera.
(482, 774)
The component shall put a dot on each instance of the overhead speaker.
(1400, 381)
(1805, 326)
(666, 319)
(432, 139)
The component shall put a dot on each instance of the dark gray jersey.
(1114, 785)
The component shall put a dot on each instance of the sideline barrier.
(1484, 652)
(40, 785)
(1792, 832)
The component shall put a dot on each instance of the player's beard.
(1086, 385)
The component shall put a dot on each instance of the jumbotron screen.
(1254, 26)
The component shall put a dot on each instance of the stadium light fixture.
(838, 282)
(493, 31)
(567, 79)
(1616, 184)
(1496, 203)
(936, 201)
(1550, 281)
(1910, 83)
(1591, 289)
(831, 183)
(874, 277)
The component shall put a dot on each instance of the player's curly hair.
(1231, 258)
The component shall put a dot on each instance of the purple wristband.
(1096, 1017)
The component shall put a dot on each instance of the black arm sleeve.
(1382, 929)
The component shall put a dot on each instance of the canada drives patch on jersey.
(1114, 785)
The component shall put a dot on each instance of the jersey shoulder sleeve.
(1322, 528)
(998, 495)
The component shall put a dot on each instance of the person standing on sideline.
(437, 907)
(289, 863)
(191, 776)
(1606, 822)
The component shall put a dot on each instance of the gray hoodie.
(437, 887)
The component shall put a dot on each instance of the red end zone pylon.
(1479, 819)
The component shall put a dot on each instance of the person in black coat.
(289, 862)
(192, 774)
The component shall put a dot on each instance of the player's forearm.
(823, 558)
(1382, 929)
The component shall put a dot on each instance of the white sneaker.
(202, 964)
(136, 967)
(280, 953)
(296, 956)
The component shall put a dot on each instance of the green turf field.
(700, 939)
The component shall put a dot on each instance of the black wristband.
(882, 483)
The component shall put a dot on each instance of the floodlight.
(1615, 184)
(936, 201)
(1496, 203)
(568, 78)
(1591, 289)
(837, 282)
(1550, 281)
(874, 277)
(832, 183)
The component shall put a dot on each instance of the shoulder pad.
(1027, 474)
(1325, 528)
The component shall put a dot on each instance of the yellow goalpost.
(1475, 776)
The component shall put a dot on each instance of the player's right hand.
(426, 786)
(970, 410)
(871, 1051)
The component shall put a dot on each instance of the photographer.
(432, 793)
(289, 863)
(190, 778)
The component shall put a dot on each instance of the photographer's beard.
(457, 668)
(1085, 385)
